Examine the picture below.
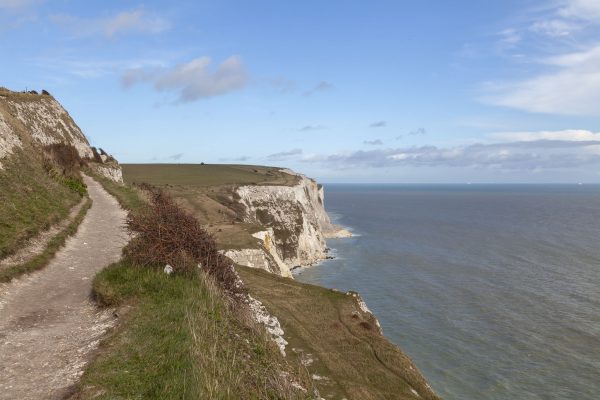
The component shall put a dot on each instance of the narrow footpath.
(48, 324)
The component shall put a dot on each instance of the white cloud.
(555, 27)
(509, 38)
(284, 155)
(136, 21)
(92, 68)
(534, 155)
(575, 135)
(566, 83)
(378, 124)
(581, 9)
(573, 88)
(308, 128)
(195, 79)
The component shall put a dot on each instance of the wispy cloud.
(567, 83)
(508, 38)
(378, 124)
(418, 131)
(554, 28)
(93, 68)
(376, 142)
(322, 86)
(175, 157)
(533, 153)
(580, 9)
(574, 135)
(235, 159)
(136, 21)
(308, 128)
(284, 155)
(193, 80)
(572, 88)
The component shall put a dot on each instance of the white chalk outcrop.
(45, 122)
(48, 123)
(8, 140)
(265, 257)
(270, 322)
(296, 225)
(112, 172)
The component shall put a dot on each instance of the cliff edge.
(295, 221)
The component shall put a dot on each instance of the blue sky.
(344, 91)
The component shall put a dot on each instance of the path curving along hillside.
(48, 324)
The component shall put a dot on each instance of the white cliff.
(9, 140)
(265, 257)
(296, 225)
(41, 121)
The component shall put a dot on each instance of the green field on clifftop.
(205, 174)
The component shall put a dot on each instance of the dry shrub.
(97, 157)
(165, 233)
(65, 157)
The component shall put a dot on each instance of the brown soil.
(48, 324)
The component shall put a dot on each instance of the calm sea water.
(494, 291)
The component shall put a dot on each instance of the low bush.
(164, 233)
(96, 157)
(65, 157)
(76, 184)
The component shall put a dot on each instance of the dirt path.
(48, 325)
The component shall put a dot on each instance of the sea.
(492, 290)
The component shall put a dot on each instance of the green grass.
(207, 191)
(343, 342)
(179, 340)
(204, 175)
(41, 260)
(30, 200)
(126, 195)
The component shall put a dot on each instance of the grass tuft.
(41, 260)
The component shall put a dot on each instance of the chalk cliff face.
(296, 221)
(40, 120)
(266, 257)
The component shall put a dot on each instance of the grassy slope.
(346, 347)
(42, 259)
(359, 363)
(178, 339)
(30, 200)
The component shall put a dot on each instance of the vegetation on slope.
(208, 192)
(42, 259)
(31, 199)
(338, 343)
(181, 335)
(128, 196)
(180, 339)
